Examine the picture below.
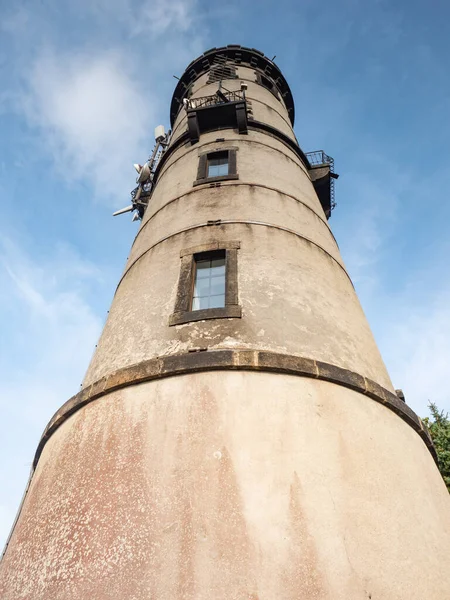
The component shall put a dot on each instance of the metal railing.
(318, 158)
(221, 97)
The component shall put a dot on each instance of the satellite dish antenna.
(144, 172)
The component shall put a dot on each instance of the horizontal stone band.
(221, 222)
(246, 360)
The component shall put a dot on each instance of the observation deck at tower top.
(239, 55)
(319, 165)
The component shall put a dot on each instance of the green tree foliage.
(439, 426)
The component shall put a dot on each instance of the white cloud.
(372, 217)
(50, 300)
(415, 340)
(409, 313)
(95, 105)
(160, 16)
(94, 117)
(138, 17)
(411, 321)
(150, 17)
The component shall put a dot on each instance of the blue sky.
(83, 86)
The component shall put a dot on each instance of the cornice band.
(232, 222)
(242, 360)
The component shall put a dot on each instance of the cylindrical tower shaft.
(237, 435)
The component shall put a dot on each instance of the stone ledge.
(231, 311)
(244, 360)
(225, 245)
(208, 180)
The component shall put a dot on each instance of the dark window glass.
(208, 284)
(209, 281)
(218, 164)
(267, 83)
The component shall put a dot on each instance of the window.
(219, 165)
(267, 83)
(207, 285)
(209, 280)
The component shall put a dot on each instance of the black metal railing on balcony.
(222, 110)
(318, 157)
(220, 97)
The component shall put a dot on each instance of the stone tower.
(237, 436)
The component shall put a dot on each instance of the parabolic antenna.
(144, 172)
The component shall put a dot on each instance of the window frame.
(183, 312)
(207, 256)
(202, 171)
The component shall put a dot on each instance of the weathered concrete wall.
(232, 485)
(295, 298)
(295, 294)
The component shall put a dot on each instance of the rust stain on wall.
(301, 575)
(213, 545)
(85, 518)
(160, 516)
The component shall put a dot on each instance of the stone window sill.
(232, 311)
(215, 179)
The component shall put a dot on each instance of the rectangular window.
(209, 281)
(207, 284)
(218, 164)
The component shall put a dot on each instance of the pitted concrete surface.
(232, 485)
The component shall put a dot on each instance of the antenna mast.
(140, 195)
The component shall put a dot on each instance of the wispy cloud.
(93, 115)
(372, 218)
(136, 17)
(419, 357)
(94, 107)
(146, 17)
(50, 299)
(408, 305)
(159, 16)
(415, 336)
